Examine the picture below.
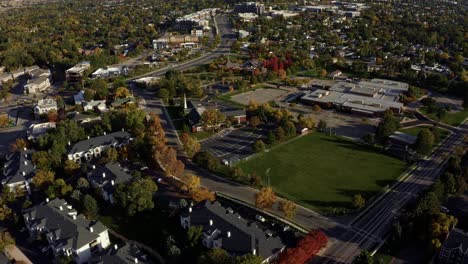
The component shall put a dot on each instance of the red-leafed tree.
(305, 249)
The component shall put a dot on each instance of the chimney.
(123, 129)
(112, 182)
(25, 148)
(254, 251)
(24, 173)
(228, 233)
(74, 217)
(116, 247)
(89, 137)
(103, 174)
(46, 200)
(104, 133)
(25, 162)
(211, 222)
(91, 229)
(190, 209)
(136, 260)
(94, 167)
(61, 208)
(69, 143)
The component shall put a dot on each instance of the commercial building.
(76, 73)
(67, 232)
(455, 248)
(94, 147)
(108, 72)
(44, 106)
(195, 110)
(106, 177)
(170, 40)
(226, 229)
(36, 130)
(250, 7)
(368, 98)
(18, 171)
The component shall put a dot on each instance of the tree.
(424, 142)
(136, 196)
(202, 194)
(43, 179)
(387, 126)
(255, 180)
(52, 116)
(58, 189)
(369, 138)
(190, 182)
(42, 160)
(122, 92)
(255, 121)
(323, 73)
(358, 201)
(194, 235)
(364, 258)
(4, 120)
(191, 145)
(18, 145)
(288, 208)
(212, 118)
(258, 146)
(322, 125)
(90, 206)
(271, 139)
(280, 135)
(82, 183)
(71, 167)
(305, 249)
(6, 214)
(215, 256)
(249, 259)
(5, 240)
(265, 198)
(111, 155)
(316, 108)
(167, 160)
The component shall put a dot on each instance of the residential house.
(44, 106)
(67, 232)
(94, 147)
(5, 77)
(85, 119)
(122, 102)
(79, 98)
(36, 130)
(95, 105)
(76, 73)
(126, 254)
(39, 81)
(334, 74)
(455, 248)
(18, 171)
(108, 72)
(106, 177)
(223, 228)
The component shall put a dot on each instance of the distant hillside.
(8, 4)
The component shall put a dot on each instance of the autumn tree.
(190, 144)
(18, 145)
(258, 146)
(58, 189)
(5, 240)
(190, 182)
(358, 201)
(4, 120)
(255, 121)
(71, 167)
(42, 160)
(212, 118)
(305, 249)
(43, 179)
(121, 92)
(201, 194)
(265, 198)
(167, 159)
(111, 155)
(6, 214)
(288, 208)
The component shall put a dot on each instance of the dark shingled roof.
(123, 255)
(113, 172)
(245, 236)
(457, 239)
(104, 140)
(18, 168)
(72, 233)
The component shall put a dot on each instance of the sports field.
(324, 172)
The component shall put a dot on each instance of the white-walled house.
(67, 232)
(96, 146)
(44, 106)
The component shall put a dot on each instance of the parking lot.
(233, 145)
(260, 96)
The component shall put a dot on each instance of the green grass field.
(415, 130)
(324, 172)
(451, 118)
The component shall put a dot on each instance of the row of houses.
(38, 79)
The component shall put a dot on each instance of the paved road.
(369, 229)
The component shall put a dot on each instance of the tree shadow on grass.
(327, 204)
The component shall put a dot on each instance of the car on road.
(260, 218)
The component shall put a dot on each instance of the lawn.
(202, 134)
(451, 118)
(324, 172)
(414, 131)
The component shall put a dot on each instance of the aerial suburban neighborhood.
(233, 132)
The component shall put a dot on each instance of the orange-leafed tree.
(265, 198)
(305, 249)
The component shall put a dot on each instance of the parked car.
(260, 218)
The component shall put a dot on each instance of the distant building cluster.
(366, 97)
(250, 7)
(39, 80)
(170, 40)
(200, 19)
